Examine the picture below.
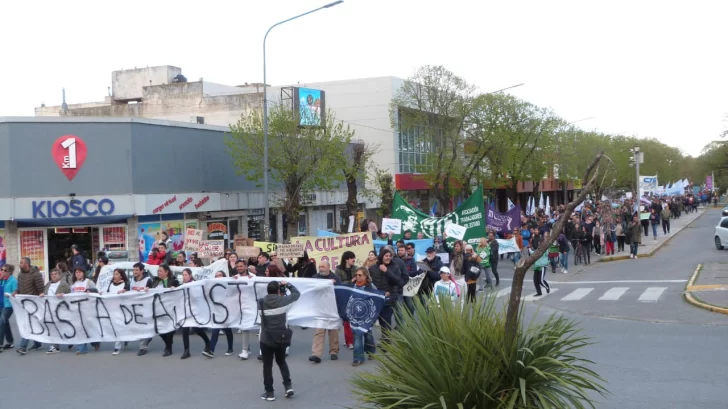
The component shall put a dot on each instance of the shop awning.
(73, 221)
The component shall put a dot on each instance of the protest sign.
(470, 215)
(246, 252)
(290, 251)
(266, 246)
(508, 246)
(445, 258)
(331, 248)
(455, 231)
(193, 237)
(211, 248)
(241, 241)
(504, 222)
(413, 285)
(218, 303)
(393, 226)
(198, 273)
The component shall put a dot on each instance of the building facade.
(116, 183)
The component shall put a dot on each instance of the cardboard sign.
(211, 248)
(266, 246)
(455, 231)
(290, 251)
(246, 252)
(241, 241)
(393, 226)
(193, 237)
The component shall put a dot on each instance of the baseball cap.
(430, 250)
(445, 270)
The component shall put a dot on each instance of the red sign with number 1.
(69, 152)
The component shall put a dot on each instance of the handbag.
(278, 337)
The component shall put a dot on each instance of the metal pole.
(638, 197)
(266, 229)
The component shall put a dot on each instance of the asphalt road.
(659, 352)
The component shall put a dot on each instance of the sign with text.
(246, 252)
(181, 203)
(290, 251)
(193, 238)
(413, 285)
(216, 303)
(266, 246)
(211, 248)
(331, 248)
(393, 226)
(241, 241)
(69, 153)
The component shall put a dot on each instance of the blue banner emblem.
(359, 306)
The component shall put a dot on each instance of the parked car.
(721, 233)
(725, 211)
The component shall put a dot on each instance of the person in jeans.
(30, 282)
(635, 232)
(9, 285)
(274, 307)
(56, 287)
(363, 341)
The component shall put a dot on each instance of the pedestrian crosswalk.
(646, 295)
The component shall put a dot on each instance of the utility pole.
(637, 158)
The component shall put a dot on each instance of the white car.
(721, 233)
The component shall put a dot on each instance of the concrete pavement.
(708, 287)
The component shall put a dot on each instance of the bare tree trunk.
(514, 302)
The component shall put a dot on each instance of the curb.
(659, 246)
(691, 299)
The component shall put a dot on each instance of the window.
(330, 221)
(724, 224)
(415, 143)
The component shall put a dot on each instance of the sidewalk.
(649, 245)
(708, 287)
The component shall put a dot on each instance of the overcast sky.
(644, 68)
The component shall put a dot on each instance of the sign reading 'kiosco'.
(48, 209)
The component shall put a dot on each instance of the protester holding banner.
(83, 285)
(385, 277)
(483, 251)
(434, 264)
(411, 269)
(216, 333)
(275, 336)
(56, 287)
(186, 279)
(345, 271)
(9, 285)
(119, 284)
(471, 271)
(165, 279)
(363, 340)
(317, 349)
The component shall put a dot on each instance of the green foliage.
(447, 358)
(300, 159)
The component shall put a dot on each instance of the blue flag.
(359, 306)
(420, 246)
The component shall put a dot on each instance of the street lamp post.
(637, 158)
(266, 232)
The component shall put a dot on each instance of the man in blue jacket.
(9, 285)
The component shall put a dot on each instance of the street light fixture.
(266, 232)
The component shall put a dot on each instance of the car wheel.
(718, 244)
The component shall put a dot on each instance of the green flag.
(470, 214)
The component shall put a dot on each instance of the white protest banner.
(455, 231)
(218, 303)
(211, 248)
(445, 258)
(193, 237)
(105, 276)
(393, 226)
(413, 285)
(508, 246)
(290, 251)
(198, 273)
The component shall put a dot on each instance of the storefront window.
(114, 237)
(33, 245)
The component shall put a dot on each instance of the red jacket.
(156, 258)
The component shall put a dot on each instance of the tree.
(386, 189)
(301, 159)
(429, 111)
(589, 181)
(355, 172)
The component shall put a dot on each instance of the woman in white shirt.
(445, 287)
(119, 284)
(56, 287)
(187, 279)
(81, 284)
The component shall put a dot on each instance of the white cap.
(445, 270)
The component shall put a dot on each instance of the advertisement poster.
(148, 236)
(216, 231)
(309, 105)
(3, 256)
(151, 233)
(32, 245)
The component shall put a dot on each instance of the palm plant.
(448, 357)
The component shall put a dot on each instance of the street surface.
(654, 349)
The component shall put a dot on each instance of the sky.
(643, 68)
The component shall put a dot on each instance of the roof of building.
(92, 119)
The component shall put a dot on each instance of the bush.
(447, 358)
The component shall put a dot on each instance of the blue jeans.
(565, 260)
(363, 344)
(82, 348)
(5, 331)
(633, 248)
(216, 333)
(24, 343)
(410, 303)
(654, 229)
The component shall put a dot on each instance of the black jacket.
(157, 282)
(388, 281)
(275, 308)
(432, 276)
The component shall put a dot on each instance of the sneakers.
(289, 390)
(357, 363)
(244, 355)
(269, 396)
(208, 353)
(142, 352)
(53, 350)
(36, 347)
(229, 352)
(314, 359)
(350, 346)
(334, 357)
(8, 346)
(116, 352)
(631, 255)
(565, 271)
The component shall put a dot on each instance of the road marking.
(704, 287)
(620, 282)
(651, 294)
(613, 294)
(577, 294)
(502, 292)
(533, 296)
